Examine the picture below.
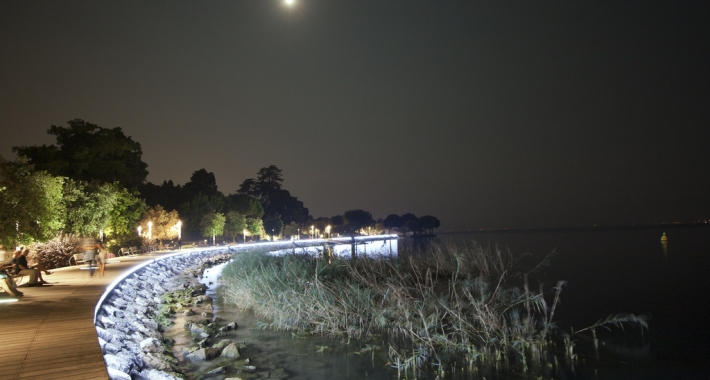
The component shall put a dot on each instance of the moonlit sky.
(484, 114)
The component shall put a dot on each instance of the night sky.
(484, 114)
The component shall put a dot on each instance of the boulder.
(152, 345)
(115, 374)
(119, 363)
(154, 374)
(207, 353)
(231, 351)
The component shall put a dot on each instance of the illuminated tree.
(212, 224)
(164, 223)
(31, 206)
(235, 224)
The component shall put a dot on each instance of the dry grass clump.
(55, 253)
(442, 305)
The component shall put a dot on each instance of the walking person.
(101, 258)
(89, 245)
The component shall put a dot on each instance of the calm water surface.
(607, 272)
(629, 271)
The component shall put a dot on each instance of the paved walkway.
(49, 333)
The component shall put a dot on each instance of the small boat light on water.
(664, 237)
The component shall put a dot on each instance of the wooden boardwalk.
(49, 333)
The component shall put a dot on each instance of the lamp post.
(313, 232)
(139, 230)
(299, 234)
(327, 231)
(244, 236)
(150, 230)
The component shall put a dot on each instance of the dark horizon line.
(579, 228)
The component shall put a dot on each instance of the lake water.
(608, 271)
(629, 270)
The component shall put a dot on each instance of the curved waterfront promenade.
(49, 333)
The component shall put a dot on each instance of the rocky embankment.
(133, 316)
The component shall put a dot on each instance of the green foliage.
(273, 225)
(196, 208)
(31, 205)
(254, 226)
(357, 219)
(246, 205)
(164, 223)
(235, 224)
(291, 229)
(212, 224)
(88, 152)
(88, 206)
(126, 212)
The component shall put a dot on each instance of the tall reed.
(437, 305)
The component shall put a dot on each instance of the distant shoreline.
(582, 228)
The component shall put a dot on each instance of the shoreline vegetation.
(442, 309)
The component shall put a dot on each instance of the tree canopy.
(212, 224)
(357, 219)
(88, 152)
(164, 223)
(235, 224)
(31, 206)
(273, 225)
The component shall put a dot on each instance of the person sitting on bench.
(21, 268)
(7, 283)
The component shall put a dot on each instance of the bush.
(56, 252)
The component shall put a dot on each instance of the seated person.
(20, 263)
(7, 283)
(39, 268)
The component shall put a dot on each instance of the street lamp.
(179, 228)
(327, 231)
(150, 231)
(313, 232)
(289, 3)
(139, 230)
(244, 236)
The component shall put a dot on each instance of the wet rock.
(233, 325)
(188, 313)
(209, 307)
(216, 371)
(152, 345)
(222, 343)
(207, 353)
(154, 374)
(231, 351)
(115, 374)
(119, 363)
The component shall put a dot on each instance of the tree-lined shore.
(93, 182)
